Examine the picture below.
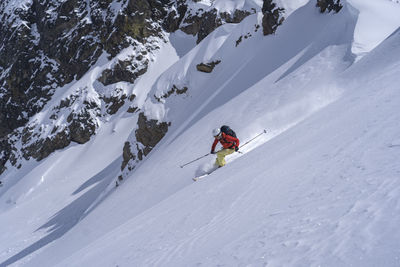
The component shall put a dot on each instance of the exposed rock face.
(175, 16)
(148, 134)
(81, 125)
(329, 5)
(273, 17)
(42, 148)
(116, 101)
(48, 45)
(5, 151)
(127, 155)
(207, 67)
(199, 22)
(237, 16)
(202, 25)
(127, 71)
(174, 90)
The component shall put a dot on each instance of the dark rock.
(132, 109)
(43, 148)
(5, 151)
(127, 155)
(202, 25)
(272, 17)
(82, 126)
(132, 97)
(26, 135)
(173, 20)
(329, 5)
(124, 71)
(135, 22)
(174, 90)
(50, 49)
(238, 41)
(149, 133)
(207, 67)
(146, 137)
(237, 16)
(114, 103)
(206, 22)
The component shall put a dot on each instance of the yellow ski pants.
(220, 161)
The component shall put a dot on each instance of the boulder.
(207, 67)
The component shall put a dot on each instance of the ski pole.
(197, 159)
(194, 160)
(265, 131)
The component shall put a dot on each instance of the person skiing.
(229, 143)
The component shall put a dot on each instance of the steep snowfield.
(320, 188)
(59, 191)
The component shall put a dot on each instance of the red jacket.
(226, 141)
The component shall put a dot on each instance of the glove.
(213, 152)
(236, 149)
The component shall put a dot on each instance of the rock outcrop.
(48, 45)
(173, 90)
(198, 21)
(207, 67)
(329, 5)
(148, 134)
(272, 17)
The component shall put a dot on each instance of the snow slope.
(324, 198)
(317, 189)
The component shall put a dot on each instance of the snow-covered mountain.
(320, 188)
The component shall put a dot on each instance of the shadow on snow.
(61, 222)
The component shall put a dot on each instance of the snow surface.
(228, 6)
(377, 20)
(320, 188)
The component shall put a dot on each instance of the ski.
(204, 175)
(200, 177)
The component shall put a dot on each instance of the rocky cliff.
(47, 47)
(78, 58)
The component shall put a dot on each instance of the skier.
(229, 143)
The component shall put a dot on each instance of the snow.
(377, 20)
(11, 6)
(231, 5)
(182, 42)
(290, 6)
(320, 188)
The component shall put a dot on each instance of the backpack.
(227, 130)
